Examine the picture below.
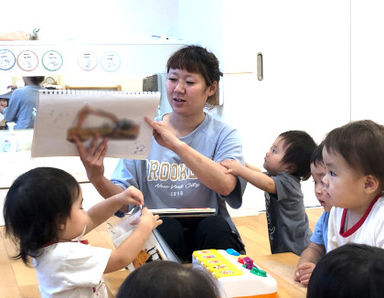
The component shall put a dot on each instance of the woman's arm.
(257, 178)
(209, 172)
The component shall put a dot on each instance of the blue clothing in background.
(21, 105)
(320, 234)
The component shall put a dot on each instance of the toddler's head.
(37, 203)
(318, 172)
(172, 280)
(354, 160)
(291, 153)
(349, 271)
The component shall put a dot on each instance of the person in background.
(354, 181)
(4, 98)
(287, 163)
(43, 214)
(166, 279)
(183, 168)
(319, 240)
(22, 103)
(349, 271)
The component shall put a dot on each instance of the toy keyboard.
(237, 275)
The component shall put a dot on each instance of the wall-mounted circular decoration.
(110, 61)
(7, 59)
(27, 60)
(87, 60)
(52, 60)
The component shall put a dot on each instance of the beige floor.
(17, 280)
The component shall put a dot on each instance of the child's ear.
(371, 184)
(290, 168)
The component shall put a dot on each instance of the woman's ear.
(212, 89)
(371, 184)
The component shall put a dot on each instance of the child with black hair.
(319, 240)
(44, 216)
(287, 163)
(166, 279)
(349, 271)
(353, 155)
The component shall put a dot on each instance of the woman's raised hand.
(93, 156)
(163, 134)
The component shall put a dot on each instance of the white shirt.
(368, 230)
(72, 269)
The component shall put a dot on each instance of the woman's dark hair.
(361, 144)
(196, 59)
(166, 279)
(36, 203)
(349, 271)
(299, 147)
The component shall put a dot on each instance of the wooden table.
(281, 267)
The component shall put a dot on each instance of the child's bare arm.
(125, 253)
(100, 212)
(252, 167)
(258, 179)
(307, 262)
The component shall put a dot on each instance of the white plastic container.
(10, 142)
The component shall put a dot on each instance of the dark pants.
(185, 235)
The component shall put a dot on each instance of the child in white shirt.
(354, 158)
(44, 216)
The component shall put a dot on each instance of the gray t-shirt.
(165, 180)
(287, 221)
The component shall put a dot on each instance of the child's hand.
(148, 219)
(233, 166)
(303, 272)
(131, 195)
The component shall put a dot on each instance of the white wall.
(91, 20)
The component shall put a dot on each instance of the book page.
(118, 116)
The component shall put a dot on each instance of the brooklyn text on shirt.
(165, 171)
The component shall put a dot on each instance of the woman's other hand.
(164, 135)
(93, 157)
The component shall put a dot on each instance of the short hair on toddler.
(299, 147)
(166, 279)
(36, 203)
(349, 271)
(361, 144)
